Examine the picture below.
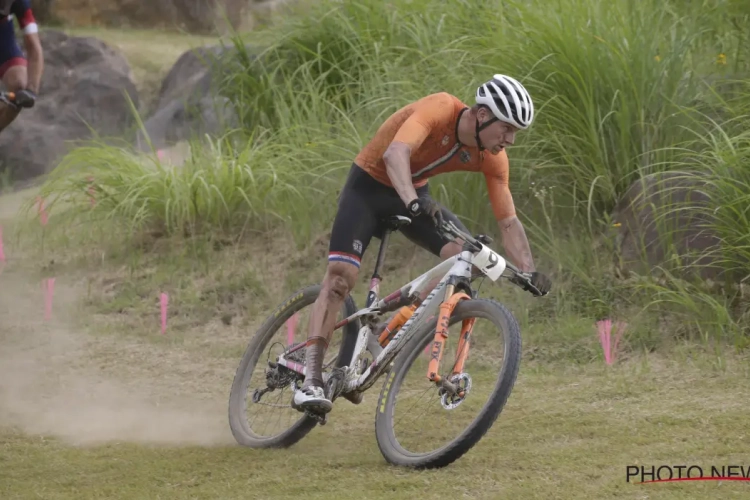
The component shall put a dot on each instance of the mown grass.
(565, 433)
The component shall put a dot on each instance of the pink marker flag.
(164, 304)
(43, 217)
(2, 250)
(604, 328)
(49, 289)
(291, 325)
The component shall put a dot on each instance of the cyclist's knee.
(15, 78)
(340, 280)
(449, 250)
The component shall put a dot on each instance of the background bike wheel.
(286, 325)
(412, 426)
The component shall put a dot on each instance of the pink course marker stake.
(49, 289)
(2, 251)
(604, 328)
(164, 304)
(291, 325)
(43, 216)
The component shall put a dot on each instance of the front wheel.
(407, 440)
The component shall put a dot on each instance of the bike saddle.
(395, 222)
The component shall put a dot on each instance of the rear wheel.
(406, 440)
(259, 385)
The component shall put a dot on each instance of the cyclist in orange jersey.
(435, 134)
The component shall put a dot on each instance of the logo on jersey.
(357, 246)
(445, 140)
(465, 156)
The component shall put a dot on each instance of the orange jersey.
(430, 127)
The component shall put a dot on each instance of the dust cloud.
(53, 382)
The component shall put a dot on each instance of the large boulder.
(85, 85)
(189, 104)
(662, 216)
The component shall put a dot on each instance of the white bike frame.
(486, 260)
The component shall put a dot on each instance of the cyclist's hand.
(540, 284)
(25, 98)
(426, 206)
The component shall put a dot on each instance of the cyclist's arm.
(22, 11)
(409, 137)
(398, 168)
(514, 239)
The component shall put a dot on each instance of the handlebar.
(449, 229)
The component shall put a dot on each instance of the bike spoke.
(273, 413)
(421, 423)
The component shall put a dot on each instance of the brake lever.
(523, 280)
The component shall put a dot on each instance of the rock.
(189, 105)
(84, 85)
(663, 215)
(194, 16)
(191, 73)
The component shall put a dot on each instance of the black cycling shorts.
(363, 203)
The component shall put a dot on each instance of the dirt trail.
(88, 389)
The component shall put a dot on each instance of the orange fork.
(463, 345)
(441, 333)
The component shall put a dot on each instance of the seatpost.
(372, 295)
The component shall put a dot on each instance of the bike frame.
(451, 269)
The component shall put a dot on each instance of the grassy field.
(96, 403)
(116, 410)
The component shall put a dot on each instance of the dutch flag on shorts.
(344, 257)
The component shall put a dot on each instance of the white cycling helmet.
(508, 100)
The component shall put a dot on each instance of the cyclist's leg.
(12, 71)
(355, 223)
(423, 232)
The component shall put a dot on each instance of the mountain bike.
(361, 361)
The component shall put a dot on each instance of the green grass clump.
(219, 188)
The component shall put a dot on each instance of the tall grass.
(219, 189)
(622, 89)
(612, 103)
